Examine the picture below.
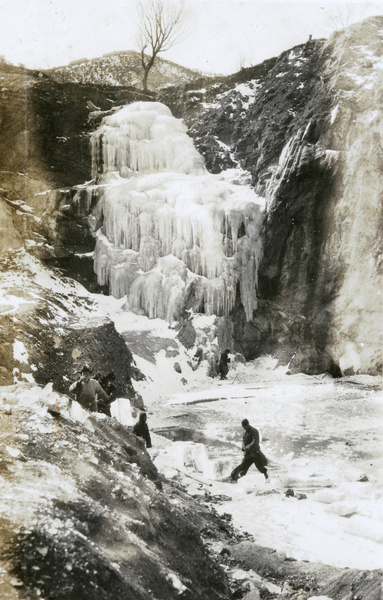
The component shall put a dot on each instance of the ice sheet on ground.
(323, 438)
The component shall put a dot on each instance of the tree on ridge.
(161, 26)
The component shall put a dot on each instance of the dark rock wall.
(45, 126)
(307, 126)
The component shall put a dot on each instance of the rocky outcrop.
(47, 124)
(308, 128)
(50, 327)
(308, 580)
(44, 154)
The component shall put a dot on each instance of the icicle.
(144, 137)
(172, 231)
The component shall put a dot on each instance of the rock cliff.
(44, 152)
(308, 127)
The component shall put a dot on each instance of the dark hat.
(86, 368)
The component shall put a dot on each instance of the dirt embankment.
(83, 514)
(50, 327)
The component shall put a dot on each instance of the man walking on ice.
(253, 453)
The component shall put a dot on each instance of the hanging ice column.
(173, 235)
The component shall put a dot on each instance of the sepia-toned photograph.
(191, 300)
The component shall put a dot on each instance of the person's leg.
(243, 468)
(235, 472)
(260, 462)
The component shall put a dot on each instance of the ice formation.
(173, 235)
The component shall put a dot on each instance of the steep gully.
(303, 157)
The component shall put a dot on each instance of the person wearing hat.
(88, 390)
(141, 429)
(253, 453)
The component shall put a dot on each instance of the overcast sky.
(224, 34)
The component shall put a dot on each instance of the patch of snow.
(176, 583)
(372, 116)
(44, 193)
(334, 112)
(209, 105)
(14, 452)
(20, 352)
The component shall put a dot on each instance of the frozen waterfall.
(173, 236)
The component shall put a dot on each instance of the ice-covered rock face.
(310, 131)
(173, 235)
(146, 138)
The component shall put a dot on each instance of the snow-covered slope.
(122, 69)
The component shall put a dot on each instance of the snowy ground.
(323, 438)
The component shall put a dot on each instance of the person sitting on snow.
(88, 390)
(253, 453)
(141, 429)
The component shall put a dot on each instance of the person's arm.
(101, 393)
(76, 386)
(254, 443)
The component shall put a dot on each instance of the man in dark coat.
(141, 429)
(88, 390)
(223, 366)
(107, 384)
(253, 453)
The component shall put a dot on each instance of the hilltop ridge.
(122, 69)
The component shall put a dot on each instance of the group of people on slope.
(92, 396)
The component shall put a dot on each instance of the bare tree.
(161, 26)
(340, 17)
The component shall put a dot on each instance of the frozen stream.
(323, 438)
